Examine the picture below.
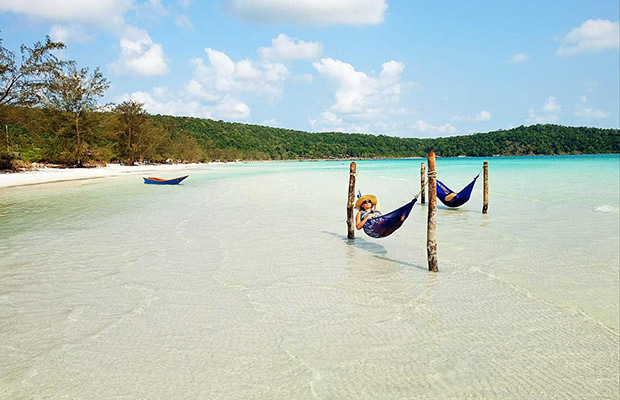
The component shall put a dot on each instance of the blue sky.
(399, 68)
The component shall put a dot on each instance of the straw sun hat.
(365, 197)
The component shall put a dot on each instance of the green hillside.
(273, 143)
(41, 135)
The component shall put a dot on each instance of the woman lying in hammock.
(379, 225)
(368, 207)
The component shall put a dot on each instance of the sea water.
(241, 283)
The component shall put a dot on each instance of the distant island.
(40, 135)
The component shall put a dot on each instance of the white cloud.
(593, 36)
(285, 48)
(480, 117)
(215, 88)
(358, 94)
(223, 75)
(311, 12)
(483, 116)
(582, 110)
(589, 113)
(184, 22)
(331, 118)
(551, 106)
(154, 7)
(68, 33)
(535, 118)
(303, 78)
(546, 114)
(232, 109)
(140, 56)
(195, 89)
(591, 87)
(269, 122)
(422, 126)
(106, 14)
(518, 58)
(163, 101)
(360, 101)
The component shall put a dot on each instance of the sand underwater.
(240, 283)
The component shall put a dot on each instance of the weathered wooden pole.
(485, 196)
(422, 178)
(350, 219)
(431, 243)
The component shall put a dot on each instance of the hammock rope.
(384, 225)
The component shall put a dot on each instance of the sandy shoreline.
(48, 175)
(42, 175)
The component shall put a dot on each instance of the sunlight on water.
(240, 283)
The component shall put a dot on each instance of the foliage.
(6, 161)
(73, 94)
(21, 83)
(44, 135)
(132, 128)
(229, 141)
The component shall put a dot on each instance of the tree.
(21, 83)
(75, 93)
(132, 125)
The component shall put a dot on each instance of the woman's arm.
(359, 222)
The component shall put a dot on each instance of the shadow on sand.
(377, 249)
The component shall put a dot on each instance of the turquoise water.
(240, 283)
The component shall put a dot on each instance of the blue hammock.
(385, 225)
(461, 197)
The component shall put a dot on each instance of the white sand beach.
(47, 175)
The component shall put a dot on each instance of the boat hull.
(158, 181)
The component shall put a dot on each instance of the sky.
(392, 67)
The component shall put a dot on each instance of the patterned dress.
(368, 226)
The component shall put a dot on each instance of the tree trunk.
(129, 155)
(79, 141)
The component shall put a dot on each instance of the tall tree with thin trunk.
(21, 81)
(132, 124)
(75, 93)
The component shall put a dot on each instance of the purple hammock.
(385, 225)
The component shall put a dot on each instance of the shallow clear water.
(240, 283)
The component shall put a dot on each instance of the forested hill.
(260, 142)
(50, 112)
(129, 134)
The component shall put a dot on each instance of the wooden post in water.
(422, 178)
(485, 196)
(350, 219)
(431, 243)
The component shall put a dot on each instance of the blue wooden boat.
(158, 181)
